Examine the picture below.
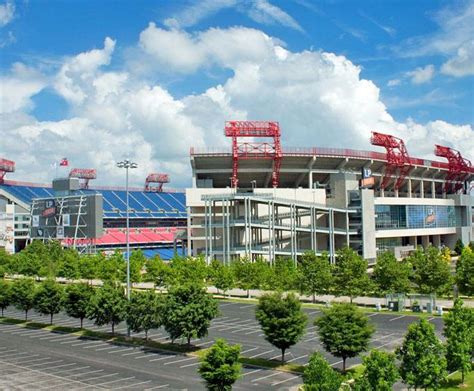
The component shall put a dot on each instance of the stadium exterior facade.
(322, 205)
(157, 219)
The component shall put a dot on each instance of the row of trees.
(185, 312)
(424, 271)
(422, 361)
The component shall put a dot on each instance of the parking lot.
(36, 359)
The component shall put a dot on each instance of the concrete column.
(409, 187)
(436, 240)
(425, 241)
(433, 189)
(310, 179)
(422, 189)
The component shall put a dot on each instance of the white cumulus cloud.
(319, 98)
(7, 13)
(421, 74)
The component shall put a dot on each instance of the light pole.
(127, 164)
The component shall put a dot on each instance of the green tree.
(458, 247)
(158, 272)
(465, 272)
(380, 370)
(244, 274)
(459, 336)
(188, 270)
(430, 271)
(188, 312)
(314, 275)
(390, 275)
(108, 305)
(49, 298)
(5, 262)
(68, 266)
(89, 265)
(5, 295)
(350, 274)
(282, 275)
(422, 357)
(319, 376)
(220, 366)
(344, 331)
(144, 312)
(113, 267)
(23, 294)
(137, 263)
(282, 320)
(76, 300)
(223, 277)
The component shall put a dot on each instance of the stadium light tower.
(127, 164)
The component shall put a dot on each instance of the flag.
(64, 162)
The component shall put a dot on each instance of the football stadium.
(259, 199)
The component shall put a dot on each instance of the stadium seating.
(142, 204)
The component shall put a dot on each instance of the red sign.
(49, 212)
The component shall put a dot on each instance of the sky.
(99, 81)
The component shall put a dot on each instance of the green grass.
(454, 382)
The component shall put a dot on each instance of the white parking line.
(204, 343)
(254, 371)
(162, 358)
(61, 366)
(338, 362)
(261, 354)
(101, 377)
(429, 319)
(274, 357)
(45, 363)
(265, 377)
(374, 314)
(106, 348)
(249, 350)
(9, 356)
(284, 381)
(297, 358)
(157, 387)
(87, 373)
(69, 339)
(253, 332)
(177, 361)
(226, 304)
(132, 385)
(68, 336)
(96, 345)
(314, 312)
(147, 355)
(398, 317)
(132, 353)
(247, 305)
(119, 351)
(115, 381)
(72, 369)
(87, 343)
(9, 351)
(36, 359)
(190, 365)
(21, 358)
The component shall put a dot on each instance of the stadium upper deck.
(310, 167)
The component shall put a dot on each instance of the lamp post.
(127, 164)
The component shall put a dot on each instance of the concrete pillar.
(436, 240)
(412, 241)
(425, 241)
(409, 187)
(310, 179)
(433, 189)
(422, 189)
(396, 193)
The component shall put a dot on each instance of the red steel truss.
(255, 150)
(160, 179)
(6, 166)
(85, 174)
(459, 168)
(397, 158)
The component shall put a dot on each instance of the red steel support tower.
(6, 166)
(85, 174)
(160, 179)
(255, 150)
(459, 168)
(397, 158)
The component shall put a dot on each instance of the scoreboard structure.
(67, 217)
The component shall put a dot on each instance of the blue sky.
(417, 57)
